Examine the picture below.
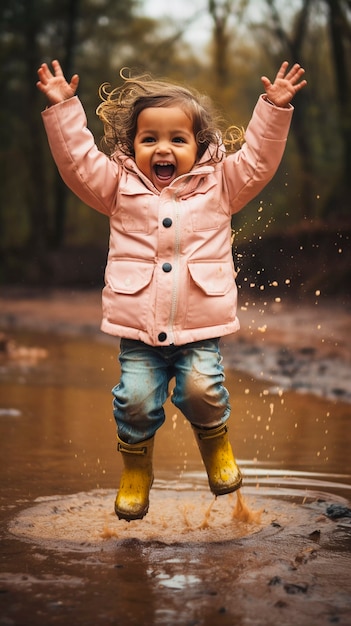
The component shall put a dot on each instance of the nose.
(163, 147)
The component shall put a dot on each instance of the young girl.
(169, 190)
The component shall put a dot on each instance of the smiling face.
(164, 144)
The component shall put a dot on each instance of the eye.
(179, 140)
(148, 139)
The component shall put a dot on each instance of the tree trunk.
(340, 31)
(220, 11)
(292, 46)
(36, 190)
(61, 191)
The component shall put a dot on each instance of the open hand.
(285, 85)
(55, 86)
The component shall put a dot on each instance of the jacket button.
(166, 267)
(167, 222)
(162, 337)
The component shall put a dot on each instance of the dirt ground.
(323, 325)
(304, 346)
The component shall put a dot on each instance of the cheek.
(191, 159)
(142, 160)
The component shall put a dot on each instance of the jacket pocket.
(134, 207)
(204, 206)
(127, 292)
(212, 294)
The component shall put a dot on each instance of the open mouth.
(164, 171)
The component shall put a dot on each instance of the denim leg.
(199, 392)
(142, 391)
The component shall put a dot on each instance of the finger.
(295, 80)
(266, 82)
(44, 73)
(74, 82)
(295, 73)
(43, 68)
(40, 86)
(300, 73)
(57, 68)
(301, 84)
(282, 69)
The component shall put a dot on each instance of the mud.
(278, 554)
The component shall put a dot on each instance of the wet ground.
(284, 558)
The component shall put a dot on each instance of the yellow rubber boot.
(224, 476)
(132, 501)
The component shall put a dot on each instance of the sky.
(182, 10)
(179, 9)
(198, 33)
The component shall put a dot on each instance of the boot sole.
(128, 517)
(224, 490)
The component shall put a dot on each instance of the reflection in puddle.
(178, 581)
(10, 412)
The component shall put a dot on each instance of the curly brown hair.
(121, 106)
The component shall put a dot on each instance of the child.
(169, 190)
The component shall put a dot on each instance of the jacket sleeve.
(89, 173)
(249, 170)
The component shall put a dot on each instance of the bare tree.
(292, 47)
(35, 187)
(340, 37)
(220, 12)
(69, 49)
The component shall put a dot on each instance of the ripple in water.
(85, 522)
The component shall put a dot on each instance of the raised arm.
(285, 85)
(54, 85)
(89, 173)
(251, 168)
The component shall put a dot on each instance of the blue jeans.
(143, 388)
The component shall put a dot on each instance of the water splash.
(243, 513)
(206, 521)
(86, 521)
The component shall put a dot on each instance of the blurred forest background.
(295, 234)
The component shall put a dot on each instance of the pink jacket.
(170, 276)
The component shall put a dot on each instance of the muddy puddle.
(280, 553)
